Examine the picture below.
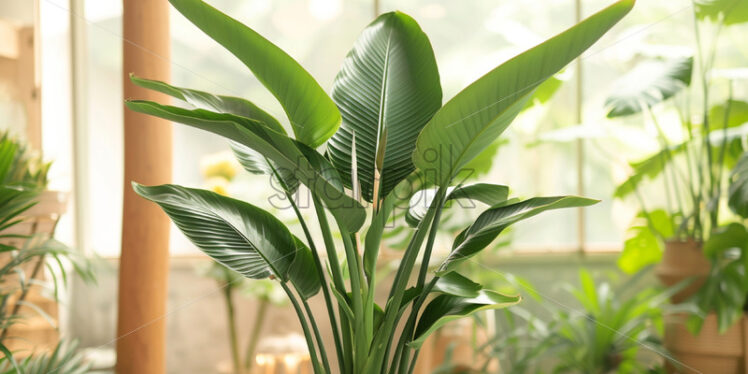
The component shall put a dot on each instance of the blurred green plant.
(692, 170)
(613, 328)
(725, 291)
(22, 178)
(26, 168)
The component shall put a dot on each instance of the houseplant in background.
(614, 326)
(22, 180)
(693, 174)
(393, 122)
(713, 334)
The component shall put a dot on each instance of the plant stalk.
(254, 337)
(305, 327)
(228, 297)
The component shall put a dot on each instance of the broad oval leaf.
(649, 83)
(313, 115)
(476, 116)
(445, 308)
(738, 191)
(649, 168)
(242, 237)
(457, 285)
(275, 146)
(387, 89)
(302, 273)
(494, 220)
(215, 103)
(486, 193)
(255, 163)
(730, 12)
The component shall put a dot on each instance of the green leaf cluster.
(383, 124)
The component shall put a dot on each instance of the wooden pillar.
(145, 229)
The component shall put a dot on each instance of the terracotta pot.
(682, 260)
(709, 352)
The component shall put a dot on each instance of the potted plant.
(691, 170)
(385, 119)
(713, 334)
(693, 174)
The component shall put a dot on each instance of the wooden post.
(145, 229)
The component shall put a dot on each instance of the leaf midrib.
(253, 246)
(382, 110)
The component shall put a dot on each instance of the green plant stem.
(409, 329)
(668, 162)
(305, 327)
(318, 336)
(338, 283)
(254, 337)
(411, 324)
(318, 265)
(228, 297)
(384, 335)
(361, 346)
(723, 146)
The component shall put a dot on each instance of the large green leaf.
(486, 193)
(215, 103)
(649, 168)
(732, 113)
(649, 83)
(644, 240)
(275, 146)
(387, 89)
(738, 192)
(313, 115)
(255, 163)
(494, 220)
(242, 237)
(251, 160)
(302, 273)
(476, 116)
(729, 11)
(445, 308)
(457, 285)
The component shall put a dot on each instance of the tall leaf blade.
(209, 101)
(255, 163)
(730, 12)
(303, 274)
(738, 191)
(494, 220)
(313, 115)
(273, 145)
(649, 83)
(445, 308)
(387, 89)
(477, 115)
(242, 237)
(489, 194)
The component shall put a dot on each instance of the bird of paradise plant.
(383, 122)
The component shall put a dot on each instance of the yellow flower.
(222, 164)
(218, 185)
